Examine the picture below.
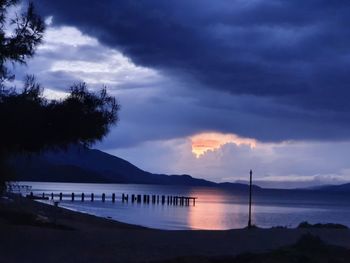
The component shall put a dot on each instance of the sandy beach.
(36, 232)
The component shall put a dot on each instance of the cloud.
(274, 71)
(68, 56)
(204, 142)
(293, 55)
(287, 165)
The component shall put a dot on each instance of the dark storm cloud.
(295, 54)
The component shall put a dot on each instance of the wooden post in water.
(103, 197)
(51, 196)
(92, 197)
(82, 197)
(72, 197)
(113, 197)
(123, 197)
(250, 199)
(132, 198)
(43, 195)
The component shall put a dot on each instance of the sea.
(214, 209)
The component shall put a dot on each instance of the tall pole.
(250, 199)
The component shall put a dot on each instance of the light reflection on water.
(214, 209)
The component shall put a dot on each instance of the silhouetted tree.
(29, 123)
(19, 36)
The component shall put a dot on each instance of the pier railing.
(14, 187)
(125, 198)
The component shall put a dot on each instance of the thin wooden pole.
(250, 199)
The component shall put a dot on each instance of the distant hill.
(334, 188)
(83, 165)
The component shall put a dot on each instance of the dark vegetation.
(319, 225)
(29, 122)
(308, 249)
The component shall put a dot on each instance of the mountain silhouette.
(83, 165)
(334, 188)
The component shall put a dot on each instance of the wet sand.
(35, 232)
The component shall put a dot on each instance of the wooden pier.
(125, 198)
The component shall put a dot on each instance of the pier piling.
(139, 198)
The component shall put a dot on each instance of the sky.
(211, 88)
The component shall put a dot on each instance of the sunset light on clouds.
(204, 142)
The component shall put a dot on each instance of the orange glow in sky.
(204, 142)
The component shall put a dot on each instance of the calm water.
(214, 209)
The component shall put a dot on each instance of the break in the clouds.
(267, 79)
(287, 165)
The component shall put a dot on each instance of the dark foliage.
(319, 225)
(18, 44)
(29, 122)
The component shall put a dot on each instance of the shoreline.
(60, 235)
